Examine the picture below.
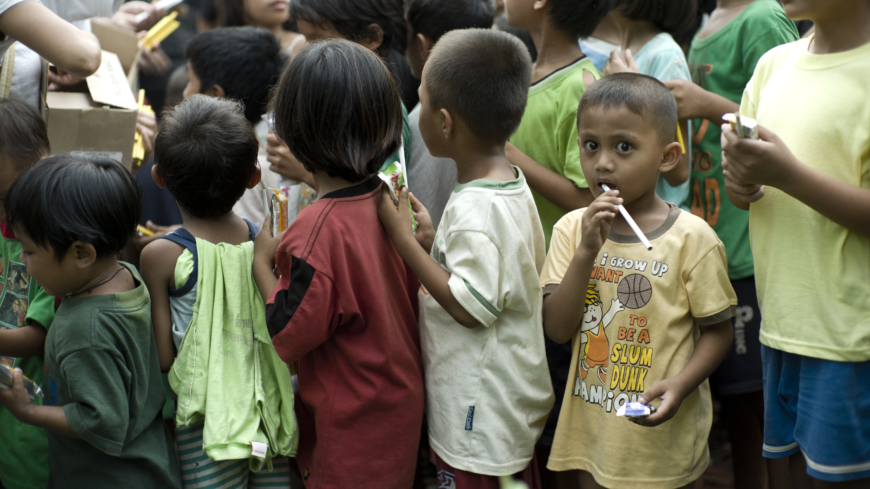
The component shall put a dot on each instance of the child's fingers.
(416, 205)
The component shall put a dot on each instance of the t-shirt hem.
(478, 466)
(735, 273)
(824, 352)
(576, 463)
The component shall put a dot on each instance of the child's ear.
(216, 91)
(374, 40)
(446, 123)
(84, 253)
(426, 46)
(670, 157)
(156, 177)
(540, 4)
(255, 178)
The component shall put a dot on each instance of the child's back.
(345, 305)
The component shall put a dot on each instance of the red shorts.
(450, 478)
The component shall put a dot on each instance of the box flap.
(109, 84)
(120, 41)
(68, 100)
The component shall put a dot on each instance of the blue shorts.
(820, 407)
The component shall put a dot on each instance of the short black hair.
(434, 18)
(579, 17)
(64, 198)
(338, 110)
(483, 75)
(352, 18)
(23, 136)
(229, 13)
(671, 16)
(642, 94)
(244, 61)
(206, 153)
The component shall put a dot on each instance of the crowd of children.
(581, 244)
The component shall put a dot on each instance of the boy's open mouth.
(609, 184)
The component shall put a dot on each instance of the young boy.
(23, 448)
(432, 179)
(480, 323)
(722, 58)
(107, 430)
(806, 183)
(209, 320)
(646, 324)
(345, 306)
(545, 145)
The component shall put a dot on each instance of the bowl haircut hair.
(64, 198)
(244, 61)
(206, 154)
(434, 18)
(579, 17)
(483, 76)
(672, 16)
(338, 110)
(352, 19)
(23, 136)
(642, 94)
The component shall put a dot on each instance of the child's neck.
(649, 212)
(483, 162)
(325, 184)
(726, 11)
(845, 26)
(105, 276)
(634, 34)
(228, 228)
(556, 49)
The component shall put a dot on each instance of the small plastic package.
(396, 177)
(33, 390)
(277, 205)
(745, 127)
(635, 410)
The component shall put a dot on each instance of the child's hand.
(396, 218)
(620, 62)
(671, 392)
(266, 245)
(596, 222)
(15, 399)
(425, 233)
(765, 161)
(689, 97)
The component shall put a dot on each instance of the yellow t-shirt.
(649, 304)
(813, 275)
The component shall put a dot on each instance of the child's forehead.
(613, 118)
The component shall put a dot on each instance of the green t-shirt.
(406, 142)
(23, 448)
(723, 63)
(548, 131)
(102, 356)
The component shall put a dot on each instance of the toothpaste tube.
(276, 204)
(745, 127)
(32, 389)
(395, 177)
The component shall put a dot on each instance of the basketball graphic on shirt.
(634, 291)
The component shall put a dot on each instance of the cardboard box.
(97, 118)
(122, 42)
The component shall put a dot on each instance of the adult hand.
(620, 61)
(127, 14)
(153, 61)
(283, 162)
(61, 80)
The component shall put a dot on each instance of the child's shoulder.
(570, 80)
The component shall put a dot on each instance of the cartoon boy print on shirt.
(18, 280)
(594, 346)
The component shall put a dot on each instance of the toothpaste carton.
(277, 205)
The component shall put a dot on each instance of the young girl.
(646, 28)
(234, 393)
(260, 13)
(107, 428)
(345, 306)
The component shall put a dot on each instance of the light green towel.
(227, 372)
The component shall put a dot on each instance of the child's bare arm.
(265, 247)
(397, 222)
(709, 352)
(158, 271)
(562, 311)
(16, 400)
(25, 341)
(768, 161)
(75, 51)
(554, 187)
(693, 102)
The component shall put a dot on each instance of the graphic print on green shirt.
(723, 63)
(23, 448)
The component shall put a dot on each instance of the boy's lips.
(609, 184)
